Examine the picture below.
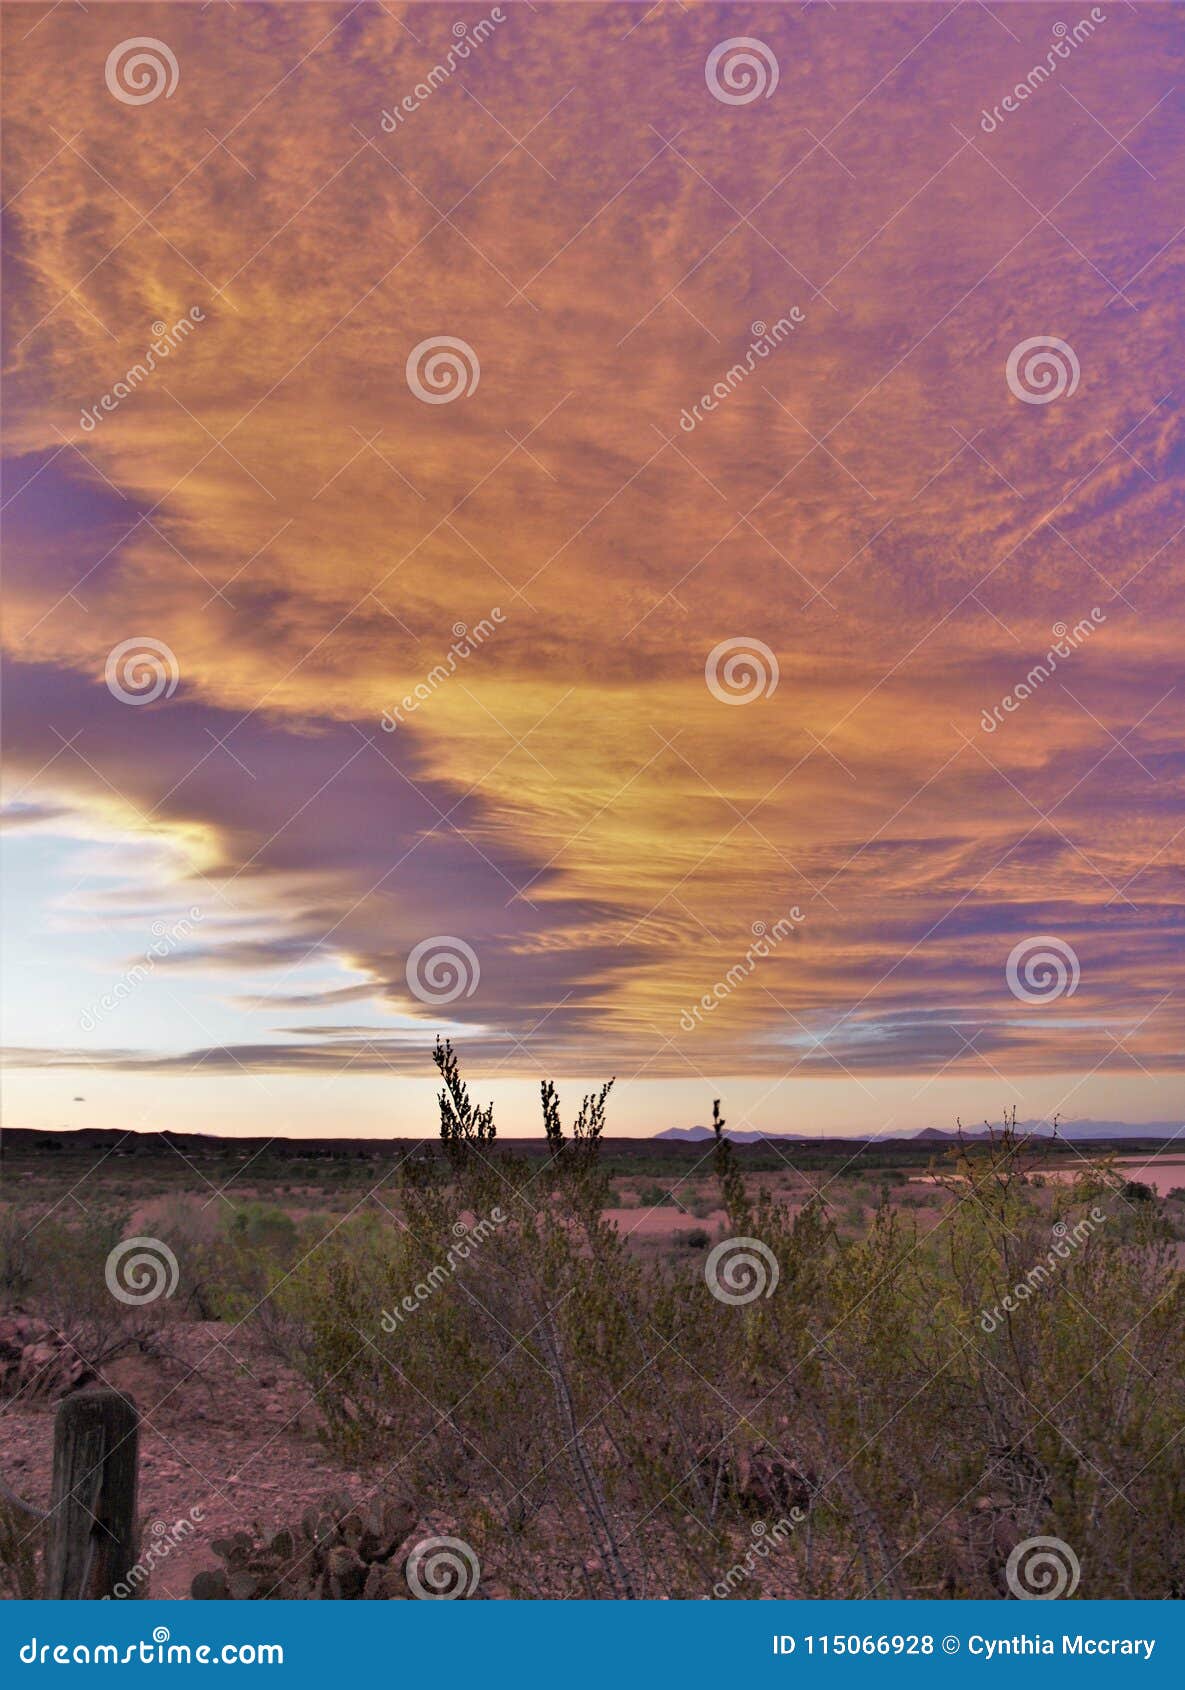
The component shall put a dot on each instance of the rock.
(385, 1584)
(341, 1551)
(772, 1481)
(347, 1572)
(36, 1361)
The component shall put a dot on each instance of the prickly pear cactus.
(339, 1552)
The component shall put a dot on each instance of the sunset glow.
(753, 671)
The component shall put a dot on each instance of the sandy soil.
(1162, 1173)
(224, 1432)
(662, 1222)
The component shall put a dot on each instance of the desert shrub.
(654, 1196)
(905, 1406)
(337, 1552)
(21, 1533)
(68, 1260)
(16, 1250)
(696, 1238)
(195, 1232)
(264, 1228)
(252, 1278)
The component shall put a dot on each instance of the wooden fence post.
(92, 1517)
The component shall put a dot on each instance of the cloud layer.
(867, 505)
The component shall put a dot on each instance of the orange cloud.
(867, 497)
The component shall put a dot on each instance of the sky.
(645, 540)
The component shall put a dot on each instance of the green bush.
(654, 1196)
(58, 1264)
(595, 1424)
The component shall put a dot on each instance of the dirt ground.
(229, 1437)
(224, 1432)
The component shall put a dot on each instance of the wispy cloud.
(305, 535)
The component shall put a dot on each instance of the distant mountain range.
(936, 1135)
(695, 1135)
